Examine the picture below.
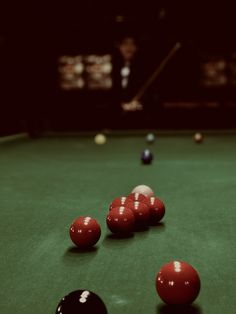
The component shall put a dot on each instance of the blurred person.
(129, 74)
(133, 66)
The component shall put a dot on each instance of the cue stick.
(157, 72)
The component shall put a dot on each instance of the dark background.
(34, 34)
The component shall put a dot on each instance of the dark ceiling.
(208, 23)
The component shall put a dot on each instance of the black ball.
(81, 302)
(146, 157)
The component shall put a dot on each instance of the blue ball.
(146, 157)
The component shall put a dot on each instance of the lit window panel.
(92, 72)
(214, 72)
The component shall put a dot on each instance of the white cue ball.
(143, 189)
(100, 139)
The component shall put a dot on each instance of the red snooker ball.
(157, 210)
(138, 197)
(178, 283)
(120, 220)
(85, 232)
(120, 201)
(141, 213)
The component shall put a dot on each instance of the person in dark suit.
(129, 74)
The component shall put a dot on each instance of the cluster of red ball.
(126, 213)
(135, 211)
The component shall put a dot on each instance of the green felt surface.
(46, 183)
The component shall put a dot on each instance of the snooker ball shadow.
(119, 236)
(178, 309)
(115, 240)
(73, 250)
(74, 255)
(159, 225)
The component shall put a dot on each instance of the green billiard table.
(48, 182)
